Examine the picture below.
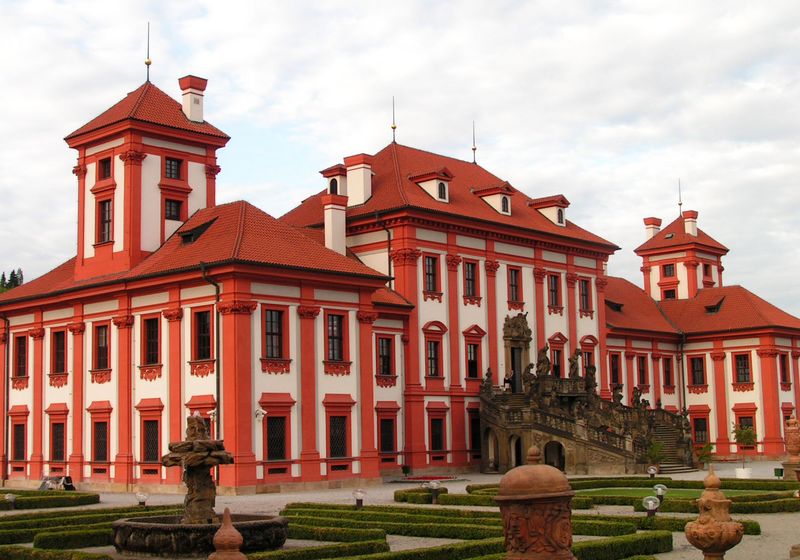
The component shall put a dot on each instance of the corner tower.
(680, 259)
(144, 166)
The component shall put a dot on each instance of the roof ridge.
(237, 244)
(139, 100)
(398, 178)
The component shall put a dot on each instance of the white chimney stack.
(334, 207)
(193, 88)
(690, 222)
(652, 226)
(359, 179)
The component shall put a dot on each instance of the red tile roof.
(148, 104)
(638, 312)
(392, 188)
(387, 296)
(237, 232)
(738, 309)
(674, 235)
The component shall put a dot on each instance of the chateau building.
(351, 336)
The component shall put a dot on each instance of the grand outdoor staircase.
(673, 462)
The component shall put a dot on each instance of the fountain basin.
(167, 537)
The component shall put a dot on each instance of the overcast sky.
(609, 103)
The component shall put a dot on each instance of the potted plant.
(655, 453)
(745, 436)
(704, 455)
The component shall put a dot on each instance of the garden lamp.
(11, 498)
(141, 497)
(661, 491)
(359, 494)
(435, 486)
(652, 471)
(650, 504)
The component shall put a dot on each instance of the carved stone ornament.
(714, 533)
(571, 279)
(174, 314)
(491, 267)
(386, 380)
(516, 305)
(717, 356)
(133, 157)
(19, 382)
(517, 328)
(79, 171)
(767, 352)
(697, 389)
(405, 256)
(555, 310)
(743, 387)
(669, 389)
(227, 541)
(76, 328)
(123, 321)
(57, 379)
(433, 296)
(337, 367)
(367, 317)
(793, 440)
(786, 386)
(150, 372)
(275, 365)
(308, 311)
(453, 261)
(100, 376)
(601, 284)
(201, 368)
(539, 274)
(212, 171)
(237, 307)
(36, 334)
(472, 300)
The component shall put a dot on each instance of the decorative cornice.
(337, 367)
(555, 310)
(516, 305)
(697, 389)
(743, 387)
(691, 264)
(275, 365)
(656, 356)
(453, 261)
(669, 389)
(76, 328)
(123, 321)
(201, 368)
(367, 317)
(472, 300)
(36, 334)
(19, 383)
(768, 352)
(100, 376)
(436, 296)
(539, 274)
(717, 356)
(57, 379)
(405, 256)
(150, 372)
(173, 314)
(795, 354)
(586, 313)
(601, 284)
(79, 171)
(786, 386)
(491, 267)
(308, 311)
(212, 171)
(571, 279)
(133, 157)
(386, 380)
(237, 307)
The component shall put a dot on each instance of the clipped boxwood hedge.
(338, 534)
(325, 551)
(62, 513)
(50, 499)
(661, 522)
(650, 542)
(74, 539)
(455, 550)
(25, 553)
(444, 531)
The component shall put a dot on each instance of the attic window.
(192, 235)
(442, 191)
(334, 186)
(560, 216)
(711, 309)
(669, 236)
(614, 305)
(504, 205)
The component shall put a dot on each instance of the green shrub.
(602, 528)
(62, 513)
(445, 531)
(400, 516)
(325, 551)
(446, 551)
(25, 553)
(661, 522)
(418, 495)
(651, 542)
(59, 519)
(338, 534)
(50, 500)
(439, 512)
(74, 539)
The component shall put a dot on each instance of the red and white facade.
(349, 337)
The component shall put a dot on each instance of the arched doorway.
(554, 455)
(515, 451)
(492, 450)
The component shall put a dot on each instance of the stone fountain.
(192, 533)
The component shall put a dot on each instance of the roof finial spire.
(147, 61)
(680, 200)
(474, 147)
(394, 124)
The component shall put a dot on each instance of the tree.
(19, 277)
(12, 279)
(3, 282)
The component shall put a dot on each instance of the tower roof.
(674, 236)
(148, 104)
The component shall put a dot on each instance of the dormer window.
(435, 183)
(504, 205)
(442, 191)
(172, 168)
(553, 208)
(560, 216)
(333, 186)
(104, 168)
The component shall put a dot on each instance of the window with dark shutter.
(100, 443)
(21, 356)
(202, 335)
(472, 360)
(59, 352)
(19, 443)
(101, 347)
(152, 452)
(338, 436)
(335, 338)
(387, 435)
(273, 333)
(437, 434)
(384, 356)
(57, 442)
(276, 438)
(151, 341)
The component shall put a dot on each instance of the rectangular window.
(614, 359)
(20, 356)
(475, 433)
(338, 436)
(387, 435)
(588, 361)
(104, 168)
(697, 367)
(433, 358)
(384, 355)
(470, 279)
(172, 209)
(150, 341)
(707, 270)
(172, 168)
(101, 344)
(18, 451)
(151, 452)
(742, 368)
(59, 352)
(667, 372)
(100, 442)
(202, 335)
(273, 334)
(335, 338)
(276, 438)
(700, 426)
(57, 438)
(783, 365)
(431, 267)
(553, 290)
(437, 434)
(746, 422)
(514, 288)
(473, 368)
(668, 270)
(669, 294)
(584, 295)
(104, 220)
(556, 362)
(641, 367)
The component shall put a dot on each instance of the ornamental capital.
(717, 356)
(79, 171)
(491, 267)
(571, 278)
(539, 274)
(453, 261)
(3, 337)
(645, 269)
(308, 311)
(77, 328)
(173, 314)
(795, 354)
(123, 321)
(691, 264)
(367, 317)
(237, 307)
(767, 352)
(36, 334)
(601, 284)
(212, 170)
(405, 256)
(133, 157)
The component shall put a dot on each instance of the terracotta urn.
(793, 440)
(714, 533)
(535, 503)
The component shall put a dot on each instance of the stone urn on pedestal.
(791, 467)
(535, 503)
(714, 533)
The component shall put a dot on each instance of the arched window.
(334, 186)
(442, 191)
(560, 216)
(504, 205)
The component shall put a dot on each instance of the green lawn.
(686, 493)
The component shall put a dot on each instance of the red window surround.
(384, 360)
(100, 411)
(746, 410)
(206, 407)
(202, 357)
(339, 405)
(557, 343)
(697, 374)
(275, 364)
(472, 282)
(433, 332)
(19, 379)
(437, 416)
(699, 411)
(101, 352)
(554, 302)
(588, 344)
(742, 368)
(277, 405)
(58, 354)
(668, 375)
(585, 302)
(515, 297)
(431, 277)
(149, 409)
(473, 336)
(783, 372)
(150, 360)
(615, 369)
(337, 366)
(642, 373)
(387, 410)
(18, 415)
(57, 414)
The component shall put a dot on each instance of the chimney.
(334, 206)
(336, 179)
(193, 88)
(652, 226)
(359, 179)
(690, 222)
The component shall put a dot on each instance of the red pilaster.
(453, 262)
(656, 374)
(630, 383)
(76, 455)
(539, 274)
(796, 381)
(123, 462)
(37, 458)
(309, 454)
(723, 446)
(80, 172)
(646, 278)
(572, 311)
(691, 274)
(602, 358)
(212, 170)
(370, 467)
(173, 315)
(3, 376)
(491, 308)
(132, 244)
(237, 389)
(773, 419)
